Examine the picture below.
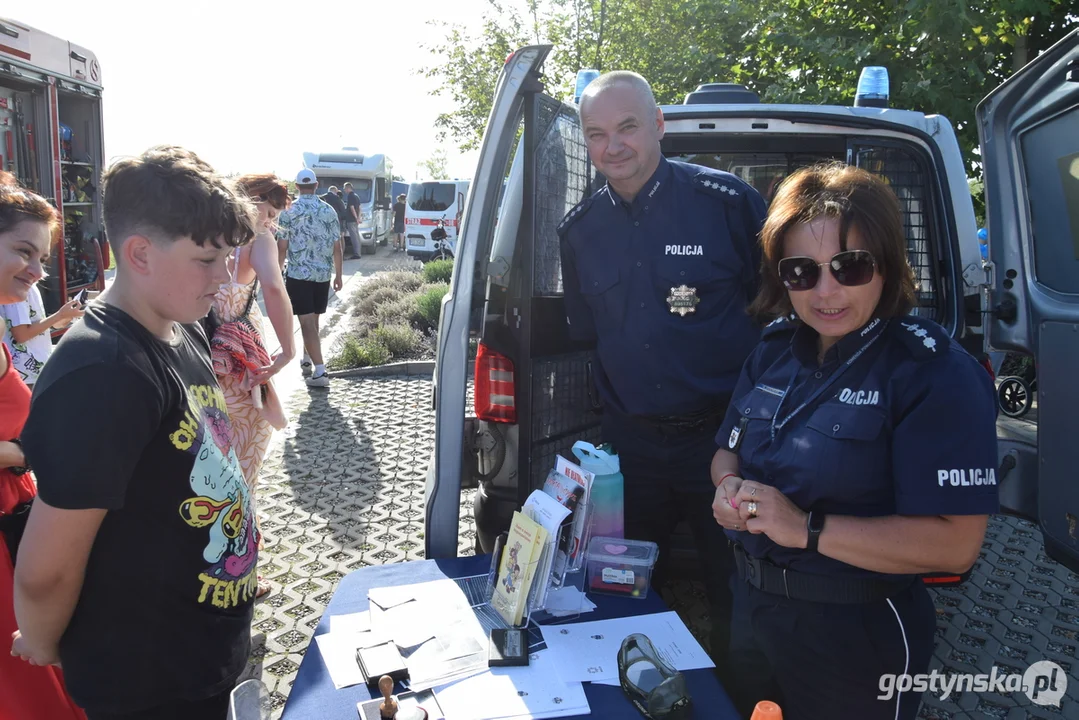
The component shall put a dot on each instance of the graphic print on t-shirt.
(222, 501)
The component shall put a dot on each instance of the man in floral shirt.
(312, 233)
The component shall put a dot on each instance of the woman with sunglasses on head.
(29, 226)
(856, 455)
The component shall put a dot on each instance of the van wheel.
(1014, 396)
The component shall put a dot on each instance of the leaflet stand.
(579, 556)
(564, 603)
(505, 587)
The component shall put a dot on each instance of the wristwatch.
(814, 524)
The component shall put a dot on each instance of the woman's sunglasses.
(850, 268)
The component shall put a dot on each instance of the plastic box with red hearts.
(621, 567)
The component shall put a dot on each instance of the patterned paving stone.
(343, 488)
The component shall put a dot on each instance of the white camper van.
(371, 177)
(427, 204)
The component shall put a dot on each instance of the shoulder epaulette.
(574, 215)
(782, 324)
(729, 188)
(923, 338)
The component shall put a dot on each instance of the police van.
(512, 390)
(427, 205)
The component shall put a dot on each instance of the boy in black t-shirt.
(137, 566)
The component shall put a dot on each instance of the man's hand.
(35, 656)
(776, 516)
(338, 283)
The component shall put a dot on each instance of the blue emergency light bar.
(584, 77)
(872, 87)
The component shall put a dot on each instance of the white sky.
(226, 78)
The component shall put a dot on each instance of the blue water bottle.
(607, 492)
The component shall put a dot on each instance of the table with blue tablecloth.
(313, 696)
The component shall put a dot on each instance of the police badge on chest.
(683, 300)
(735, 440)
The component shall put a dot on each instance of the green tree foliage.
(468, 70)
(943, 56)
(435, 166)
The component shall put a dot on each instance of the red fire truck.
(51, 140)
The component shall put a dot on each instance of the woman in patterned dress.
(253, 405)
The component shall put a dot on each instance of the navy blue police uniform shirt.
(898, 420)
(688, 239)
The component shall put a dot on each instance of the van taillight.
(494, 387)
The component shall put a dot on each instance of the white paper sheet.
(428, 675)
(547, 511)
(410, 623)
(353, 622)
(455, 653)
(339, 653)
(568, 600)
(588, 651)
(512, 692)
(429, 608)
(392, 595)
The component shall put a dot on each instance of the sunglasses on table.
(850, 268)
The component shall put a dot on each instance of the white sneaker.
(306, 368)
(322, 380)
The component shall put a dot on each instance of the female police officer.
(857, 453)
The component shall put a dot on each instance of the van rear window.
(900, 167)
(360, 186)
(431, 196)
(1050, 153)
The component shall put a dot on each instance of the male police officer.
(658, 267)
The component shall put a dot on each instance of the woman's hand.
(776, 516)
(724, 508)
(11, 454)
(69, 312)
(260, 376)
(34, 656)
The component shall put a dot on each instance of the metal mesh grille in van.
(561, 410)
(562, 179)
(901, 167)
(906, 174)
(561, 406)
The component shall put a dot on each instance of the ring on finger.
(751, 508)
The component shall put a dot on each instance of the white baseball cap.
(306, 177)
